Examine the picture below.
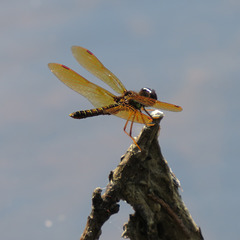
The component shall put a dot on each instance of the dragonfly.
(129, 105)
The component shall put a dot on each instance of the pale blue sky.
(188, 51)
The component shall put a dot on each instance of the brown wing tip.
(90, 52)
(178, 108)
(65, 67)
(78, 48)
(50, 65)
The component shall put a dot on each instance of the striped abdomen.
(92, 112)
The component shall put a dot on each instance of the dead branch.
(144, 180)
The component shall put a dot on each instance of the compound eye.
(148, 92)
(153, 94)
(145, 92)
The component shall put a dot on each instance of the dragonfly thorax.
(148, 92)
(131, 98)
(135, 104)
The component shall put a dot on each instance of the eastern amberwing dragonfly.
(129, 105)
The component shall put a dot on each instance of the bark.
(145, 181)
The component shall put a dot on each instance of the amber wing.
(91, 63)
(97, 95)
(150, 102)
(130, 113)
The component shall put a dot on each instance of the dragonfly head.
(148, 92)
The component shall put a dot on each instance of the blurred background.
(188, 51)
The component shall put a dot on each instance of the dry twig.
(145, 181)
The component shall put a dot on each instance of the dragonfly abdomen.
(92, 112)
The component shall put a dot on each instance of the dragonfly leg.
(125, 126)
(148, 124)
(130, 132)
(149, 110)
